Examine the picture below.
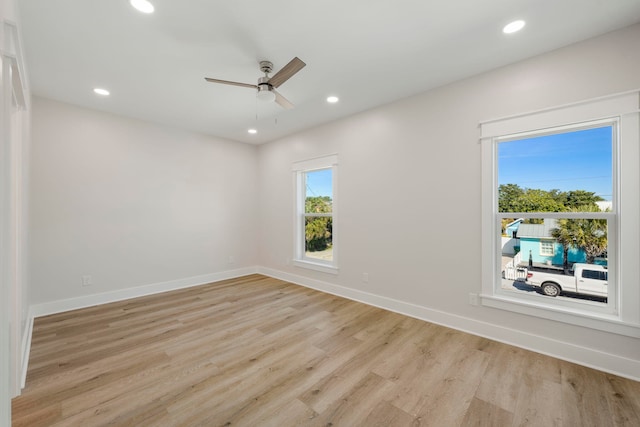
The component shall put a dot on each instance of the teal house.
(536, 241)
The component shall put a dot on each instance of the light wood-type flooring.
(257, 351)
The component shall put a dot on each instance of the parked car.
(587, 279)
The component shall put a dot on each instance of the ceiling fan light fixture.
(265, 93)
(143, 6)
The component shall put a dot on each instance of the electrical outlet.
(473, 299)
(365, 277)
(86, 280)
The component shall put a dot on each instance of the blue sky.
(319, 183)
(579, 160)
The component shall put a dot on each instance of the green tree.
(565, 234)
(559, 196)
(318, 230)
(581, 199)
(318, 233)
(534, 200)
(508, 196)
(590, 235)
(512, 198)
(318, 204)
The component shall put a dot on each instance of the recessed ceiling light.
(101, 91)
(513, 27)
(143, 6)
(333, 99)
(252, 131)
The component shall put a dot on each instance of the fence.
(512, 271)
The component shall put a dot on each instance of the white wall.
(132, 203)
(409, 190)
(508, 245)
(14, 122)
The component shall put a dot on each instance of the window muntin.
(559, 182)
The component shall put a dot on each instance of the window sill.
(601, 322)
(315, 266)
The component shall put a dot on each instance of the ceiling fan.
(266, 87)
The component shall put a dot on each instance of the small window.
(315, 228)
(547, 247)
(318, 215)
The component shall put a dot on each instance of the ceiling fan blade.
(282, 101)
(287, 72)
(227, 82)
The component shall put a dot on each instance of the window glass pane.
(565, 256)
(594, 274)
(319, 191)
(318, 238)
(561, 172)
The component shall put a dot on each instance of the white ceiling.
(367, 52)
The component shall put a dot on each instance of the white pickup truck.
(587, 279)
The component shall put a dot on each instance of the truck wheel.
(551, 289)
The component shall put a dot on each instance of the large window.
(559, 183)
(554, 210)
(315, 228)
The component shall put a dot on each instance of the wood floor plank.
(354, 407)
(322, 394)
(421, 368)
(624, 399)
(256, 351)
(501, 381)
(485, 414)
(540, 399)
(385, 415)
(459, 385)
(575, 384)
(37, 415)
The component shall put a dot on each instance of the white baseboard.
(26, 349)
(60, 306)
(611, 363)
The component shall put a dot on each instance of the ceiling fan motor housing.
(266, 66)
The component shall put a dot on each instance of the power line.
(567, 179)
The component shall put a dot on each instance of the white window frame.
(621, 314)
(300, 169)
(544, 244)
